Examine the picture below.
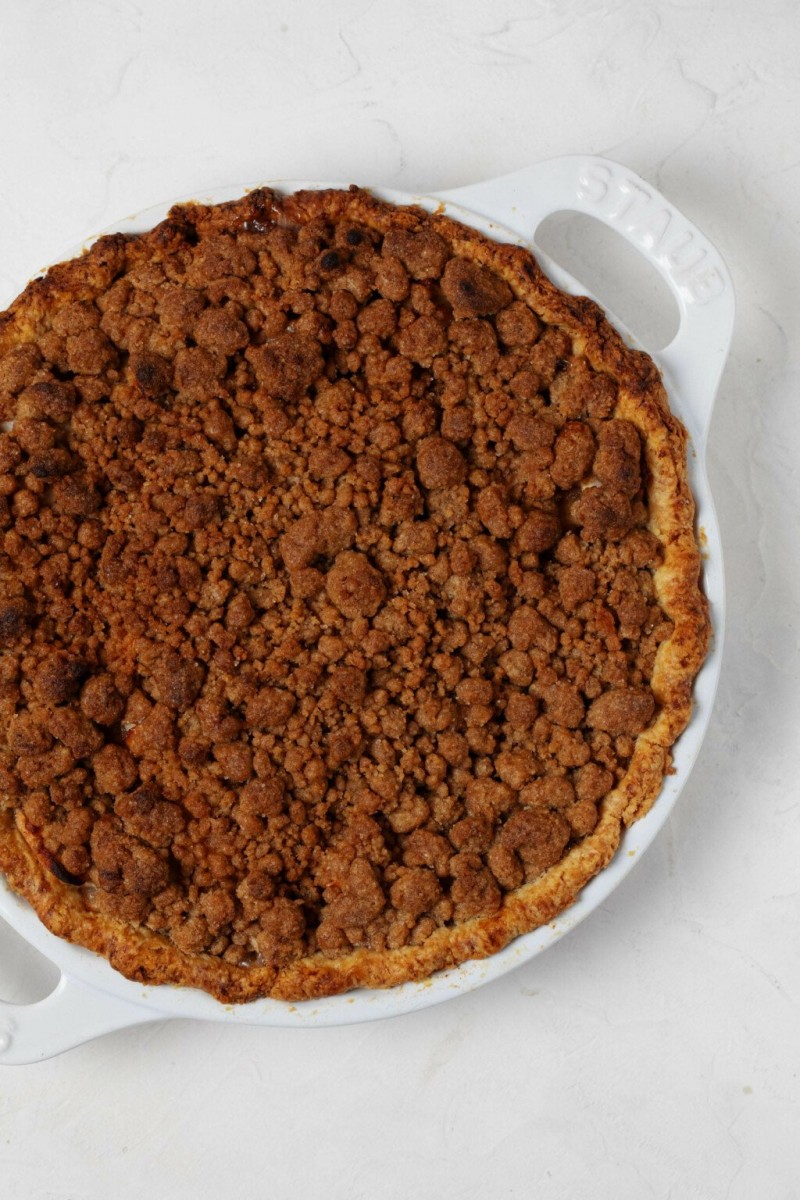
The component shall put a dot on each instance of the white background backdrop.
(654, 1052)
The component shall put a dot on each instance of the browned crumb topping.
(326, 598)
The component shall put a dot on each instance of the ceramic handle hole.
(615, 272)
(26, 976)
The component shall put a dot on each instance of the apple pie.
(349, 595)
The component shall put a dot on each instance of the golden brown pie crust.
(150, 957)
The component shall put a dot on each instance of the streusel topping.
(326, 599)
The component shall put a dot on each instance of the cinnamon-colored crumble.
(329, 595)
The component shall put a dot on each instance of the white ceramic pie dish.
(91, 998)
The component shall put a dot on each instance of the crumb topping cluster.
(326, 599)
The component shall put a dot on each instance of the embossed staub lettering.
(657, 229)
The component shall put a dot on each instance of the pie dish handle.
(71, 1015)
(691, 266)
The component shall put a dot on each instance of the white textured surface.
(654, 1052)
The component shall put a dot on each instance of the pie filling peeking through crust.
(349, 597)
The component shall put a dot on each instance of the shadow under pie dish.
(349, 599)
